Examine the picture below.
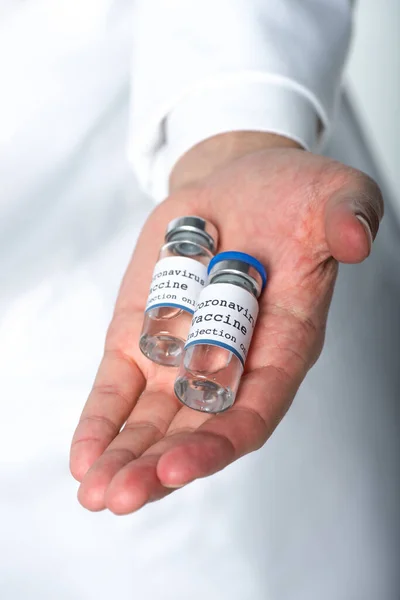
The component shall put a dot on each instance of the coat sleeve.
(203, 67)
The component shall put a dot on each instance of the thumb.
(352, 218)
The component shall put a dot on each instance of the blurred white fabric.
(279, 62)
(373, 73)
(312, 515)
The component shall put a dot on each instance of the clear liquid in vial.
(165, 330)
(178, 277)
(209, 378)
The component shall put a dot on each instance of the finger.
(138, 483)
(117, 386)
(352, 220)
(147, 424)
(135, 486)
(264, 397)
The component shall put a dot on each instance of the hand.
(298, 214)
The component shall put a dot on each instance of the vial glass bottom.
(163, 335)
(209, 378)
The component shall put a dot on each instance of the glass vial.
(178, 278)
(220, 333)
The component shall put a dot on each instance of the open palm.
(297, 213)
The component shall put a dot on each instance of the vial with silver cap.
(179, 276)
(220, 333)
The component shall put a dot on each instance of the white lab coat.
(312, 515)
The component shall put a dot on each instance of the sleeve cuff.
(265, 106)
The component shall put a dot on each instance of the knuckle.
(371, 192)
(96, 423)
(367, 189)
(342, 177)
(365, 192)
(113, 392)
(159, 427)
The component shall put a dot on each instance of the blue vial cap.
(243, 257)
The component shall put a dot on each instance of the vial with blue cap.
(220, 334)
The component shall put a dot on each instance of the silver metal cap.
(196, 225)
(238, 268)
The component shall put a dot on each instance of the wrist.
(218, 151)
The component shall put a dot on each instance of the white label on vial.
(225, 316)
(177, 281)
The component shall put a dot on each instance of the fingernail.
(174, 486)
(367, 228)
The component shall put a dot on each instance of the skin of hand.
(300, 215)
